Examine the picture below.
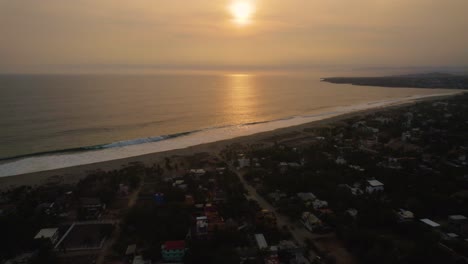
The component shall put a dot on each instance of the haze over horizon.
(117, 35)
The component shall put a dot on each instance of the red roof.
(174, 245)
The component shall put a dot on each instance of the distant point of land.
(424, 80)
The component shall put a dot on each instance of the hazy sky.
(46, 35)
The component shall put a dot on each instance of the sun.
(242, 11)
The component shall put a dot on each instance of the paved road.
(299, 233)
(115, 235)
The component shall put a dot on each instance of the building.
(374, 186)
(50, 234)
(202, 226)
(173, 251)
(429, 223)
(405, 215)
(261, 241)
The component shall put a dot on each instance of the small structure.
(374, 186)
(261, 241)
(310, 221)
(50, 234)
(405, 215)
(429, 223)
(173, 251)
(202, 226)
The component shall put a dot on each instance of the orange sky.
(46, 35)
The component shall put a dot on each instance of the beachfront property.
(374, 186)
(173, 251)
(50, 234)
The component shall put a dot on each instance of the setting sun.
(242, 11)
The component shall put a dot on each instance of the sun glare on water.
(242, 11)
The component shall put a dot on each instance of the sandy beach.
(70, 175)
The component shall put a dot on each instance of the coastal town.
(388, 186)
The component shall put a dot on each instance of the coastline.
(72, 174)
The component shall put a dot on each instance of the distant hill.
(422, 80)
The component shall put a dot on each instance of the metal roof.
(429, 222)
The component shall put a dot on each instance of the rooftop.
(429, 222)
(261, 242)
(375, 183)
(174, 245)
(457, 217)
(46, 233)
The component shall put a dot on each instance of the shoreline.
(72, 174)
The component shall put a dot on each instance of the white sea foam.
(124, 150)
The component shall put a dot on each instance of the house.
(173, 251)
(374, 186)
(261, 241)
(429, 222)
(405, 215)
(310, 221)
(51, 234)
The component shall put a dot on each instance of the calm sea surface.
(48, 113)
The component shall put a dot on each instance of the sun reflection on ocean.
(241, 98)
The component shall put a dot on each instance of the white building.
(48, 233)
(374, 186)
(261, 241)
(429, 222)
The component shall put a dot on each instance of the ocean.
(55, 121)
